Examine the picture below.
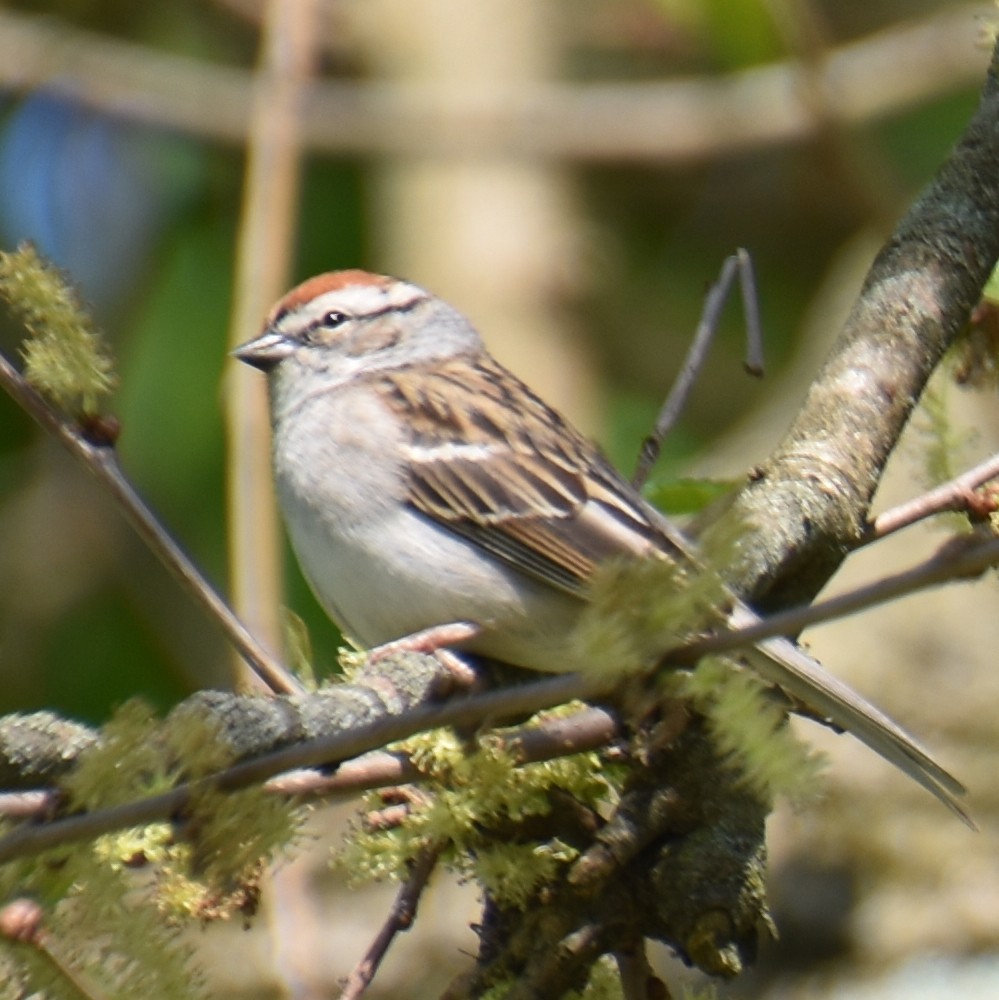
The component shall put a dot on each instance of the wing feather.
(491, 461)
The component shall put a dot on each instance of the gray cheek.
(373, 338)
(335, 453)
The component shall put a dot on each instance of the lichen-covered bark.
(807, 504)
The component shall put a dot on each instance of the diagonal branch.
(100, 459)
(807, 506)
(400, 918)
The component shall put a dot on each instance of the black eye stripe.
(333, 318)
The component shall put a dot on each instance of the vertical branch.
(270, 200)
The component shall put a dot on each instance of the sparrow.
(423, 484)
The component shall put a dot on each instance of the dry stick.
(263, 260)
(957, 494)
(750, 313)
(400, 918)
(738, 264)
(588, 729)
(102, 462)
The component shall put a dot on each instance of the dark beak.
(266, 351)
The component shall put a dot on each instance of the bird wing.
(494, 463)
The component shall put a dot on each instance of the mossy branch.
(66, 358)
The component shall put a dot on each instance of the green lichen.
(749, 728)
(65, 357)
(470, 792)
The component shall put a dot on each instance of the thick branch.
(808, 504)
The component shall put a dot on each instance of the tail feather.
(786, 665)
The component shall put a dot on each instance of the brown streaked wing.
(527, 488)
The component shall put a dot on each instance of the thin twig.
(750, 313)
(955, 495)
(738, 264)
(101, 461)
(31, 804)
(400, 918)
(588, 729)
(958, 559)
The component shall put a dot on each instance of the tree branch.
(100, 460)
(807, 506)
(346, 740)
(400, 919)
(959, 494)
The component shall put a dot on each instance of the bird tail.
(799, 675)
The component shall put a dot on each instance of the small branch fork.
(963, 493)
(738, 265)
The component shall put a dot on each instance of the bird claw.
(434, 641)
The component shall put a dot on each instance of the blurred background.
(572, 176)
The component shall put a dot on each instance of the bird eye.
(314, 332)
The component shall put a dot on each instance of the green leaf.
(688, 496)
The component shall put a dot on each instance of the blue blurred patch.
(90, 192)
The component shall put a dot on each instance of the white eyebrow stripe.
(362, 300)
(354, 300)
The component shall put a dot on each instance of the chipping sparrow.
(423, 484)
